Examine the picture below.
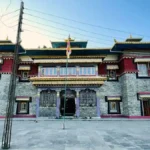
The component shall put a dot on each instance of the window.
(87, 98)
(142, 70)
(112, 75)
(87, 71)
(113, 104)
(48, 98)
(25, 75)
(49, 71)
(23, 108)
(114, 107)
(70, 71)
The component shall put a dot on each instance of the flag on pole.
(68, 49)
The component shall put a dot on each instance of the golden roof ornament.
(7, 38)
(69, 38)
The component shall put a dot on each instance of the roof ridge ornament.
(7, 38)
(69, 38)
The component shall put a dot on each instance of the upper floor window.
(70, 71)
(111, 74)
(142, 70)
(87, 71)
(113, 104)
(24, 75)
(49, 71)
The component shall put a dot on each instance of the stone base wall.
(109, 88)
(131, 85)
(4, 89)
(27, 89)
(88, 112)
(47, 111)
(128, 86)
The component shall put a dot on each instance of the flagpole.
(65, 92)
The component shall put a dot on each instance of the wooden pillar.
(37, 104)
(77, 103)
(58, 104)
(96, 70)
(98, 103)
(39, 71)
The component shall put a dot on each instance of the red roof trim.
(143, 93)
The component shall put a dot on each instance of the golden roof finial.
(7, 38)
(69, 38)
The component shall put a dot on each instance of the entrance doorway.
(69, 107)
(146, 105)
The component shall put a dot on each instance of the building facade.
(101, 82)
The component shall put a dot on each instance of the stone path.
(80, 135)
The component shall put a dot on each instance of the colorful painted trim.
(83, 78)
(24, 67)
(112, 67)
(69, 61)
(55, 83)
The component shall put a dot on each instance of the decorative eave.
(98, 78)
(112, 98)
(110, 61)
(143, 95)
(127, 47)
(5, 72)
(52, 61)
(23, 98)
(64, 49)
(57, 81)
(112, 67)
(26, 62)
(70, 83)
(71, 57)
(141, 60)
(24, 67)
(132, 42)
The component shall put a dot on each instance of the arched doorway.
(69, 102)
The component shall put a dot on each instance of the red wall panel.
(127, 65)
(102, 69)
(34, 70)
(7, 66)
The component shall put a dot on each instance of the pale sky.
(130, 16)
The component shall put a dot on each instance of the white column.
(39, 71)
(96, 69)
(58, 104)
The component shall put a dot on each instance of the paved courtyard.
(80, 135)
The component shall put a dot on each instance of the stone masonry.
(109, 88)
(27, 89)
(4, 88)
(128, 86)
